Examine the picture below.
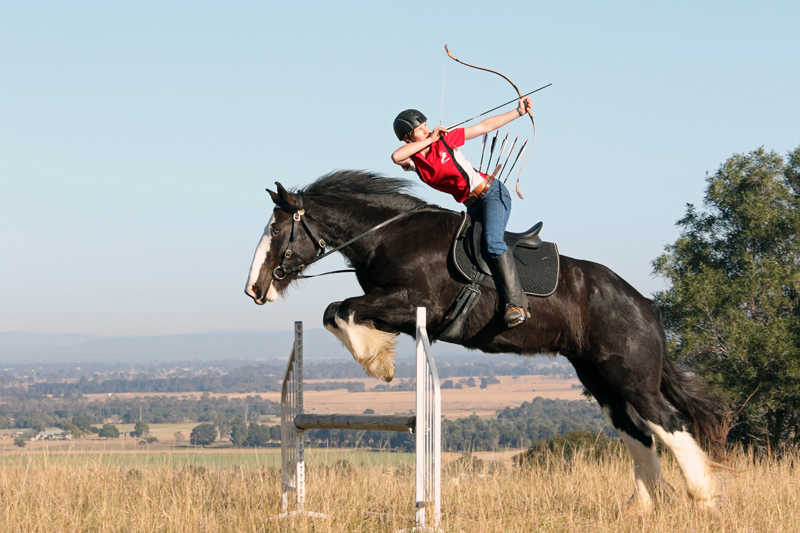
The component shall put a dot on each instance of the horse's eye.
(275, 231)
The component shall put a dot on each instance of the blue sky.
(136, 139)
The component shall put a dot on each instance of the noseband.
(280, 271)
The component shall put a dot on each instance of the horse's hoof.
(636, 507)
(385, 371)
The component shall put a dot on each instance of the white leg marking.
(697, 468)
(341, 336)
(646, 473)
(373, 348)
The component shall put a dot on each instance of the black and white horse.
(611, 334)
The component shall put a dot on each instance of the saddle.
(537, 261)
(537, 265)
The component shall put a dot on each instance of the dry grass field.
(41, 495)
(456, 403)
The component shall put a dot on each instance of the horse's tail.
(709, 413)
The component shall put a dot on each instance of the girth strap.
(465, 302)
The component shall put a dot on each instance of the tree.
(223, 426)
(19, 441)
(238, 432)
(108, 431)
(257, 435)
(82, 423)
(732, 311)
(203, 435)
(356, 386)
(142, 429)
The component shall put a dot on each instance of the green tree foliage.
(142, 429)
(733, 308)
(257, 435)
(238, 432)
(203, 435)
(82, 423)
(45, 412)
(108, 431)
(567, 447)
(514, 427)
(356, 386)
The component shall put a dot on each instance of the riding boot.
(510, 289)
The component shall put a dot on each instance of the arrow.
(498, 107)
(502, 150)
(483, 150)
(510, 151)
(491, 150)
(517, 158)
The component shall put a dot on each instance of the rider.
(435, 157)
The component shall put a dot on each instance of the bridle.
(319, 244)
(299, 215)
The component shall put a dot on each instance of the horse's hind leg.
(638, 382)
(635, 433)
(703, 483)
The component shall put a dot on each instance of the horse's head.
(277, 254)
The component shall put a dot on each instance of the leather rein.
(281, 271)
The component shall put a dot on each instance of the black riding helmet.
(406, 122)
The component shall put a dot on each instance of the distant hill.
(249, 345)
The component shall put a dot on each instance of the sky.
(137, 138)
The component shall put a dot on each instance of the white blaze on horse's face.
(255, 268)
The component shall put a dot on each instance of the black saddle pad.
(538, 267)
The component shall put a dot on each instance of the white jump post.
(427, 425)
(428, 429)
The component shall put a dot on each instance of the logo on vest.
(444, 157)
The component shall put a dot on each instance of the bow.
(533, 122)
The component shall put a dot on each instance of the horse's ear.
(283, 199)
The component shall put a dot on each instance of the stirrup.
(514, 315)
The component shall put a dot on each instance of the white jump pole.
(428, 430)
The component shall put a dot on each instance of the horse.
(612, 335)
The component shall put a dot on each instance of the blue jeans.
(493, 211)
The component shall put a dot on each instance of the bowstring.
(444, 77)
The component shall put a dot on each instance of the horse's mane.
(343, 186)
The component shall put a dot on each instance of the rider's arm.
(497, 121)
(402, 155)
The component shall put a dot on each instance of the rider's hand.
(438, 132)
(525, 103)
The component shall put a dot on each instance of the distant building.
(56, 434)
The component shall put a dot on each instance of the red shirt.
(446, 169)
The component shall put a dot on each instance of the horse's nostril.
(251, 291)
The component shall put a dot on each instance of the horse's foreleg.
(353, 323)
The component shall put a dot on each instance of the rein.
(320, 244)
